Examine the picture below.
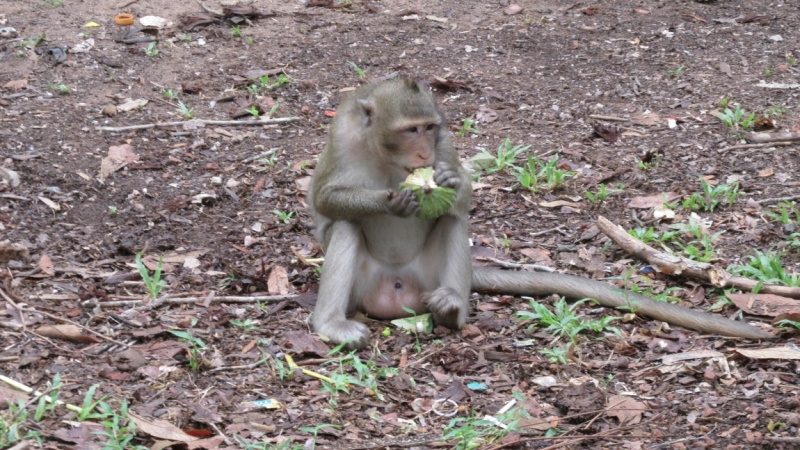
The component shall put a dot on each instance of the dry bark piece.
(13, 252)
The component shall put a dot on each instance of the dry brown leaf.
(131, 105)
(8, 395)
(626, 409)
(764, 173)
(159, 429)
(66, 332)
(278, 281)
(118, 157)
(537, 255)
(46, 264)
(303, 184)
(51, 204)
(558, 204)
(769, 353)
(765, 304)
(726, 69)
(16, 85)
(653, 201)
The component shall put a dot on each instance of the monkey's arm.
(353, 203)
(533, 283)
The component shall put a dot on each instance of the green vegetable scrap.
(433, 200)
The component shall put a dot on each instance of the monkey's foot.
(339, 331)
(448, 308)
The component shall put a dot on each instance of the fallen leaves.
(118, 157)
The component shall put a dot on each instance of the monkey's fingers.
(446, 175)
(403, 204)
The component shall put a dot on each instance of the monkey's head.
(403, 118)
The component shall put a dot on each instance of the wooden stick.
(676, 265)
(760, 138)
(609, 118)
(737, 147)
(222, 299)
(768, 201)
(201, 122)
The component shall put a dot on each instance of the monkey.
(380, 258)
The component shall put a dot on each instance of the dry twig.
(676, 265)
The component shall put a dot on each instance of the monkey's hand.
(403, 203)
(448, 308)
(356, 333)
(446, 175)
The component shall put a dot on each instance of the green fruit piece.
(433, 200)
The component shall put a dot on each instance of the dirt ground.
(224, 206)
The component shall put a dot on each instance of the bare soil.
(207, 199)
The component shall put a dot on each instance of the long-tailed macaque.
(380, 258)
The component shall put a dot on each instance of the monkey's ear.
(367, 109)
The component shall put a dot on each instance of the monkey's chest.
(395, 241)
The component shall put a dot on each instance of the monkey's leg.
(447, 255)
(339, 271)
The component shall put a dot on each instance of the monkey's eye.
(430, 127)
(411, 129)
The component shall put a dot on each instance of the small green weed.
(196, 350)
(787, 324)
(736, 118)
(702, 247)
(563, 320)
(535, 174)
(119, 430)
(185, 110)
(236, 31)
(151, 49)
(784, 213)
(766, 267)
(775, 111)
(677, 72)
(556, 354)
(469, 126)
(644, 234)
(265, 82)
(52, 3)
(62, 89)
(283, 216)
(155, 284)
(169, 94)
(246, 325)
(358, 70)
(274, 109)
(506, 154)
(471, 432)
(712, 196)
(253, 110)
(602, 193)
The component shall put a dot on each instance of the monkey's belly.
(389, 295)
(395, 241)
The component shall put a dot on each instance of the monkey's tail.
(538, 283)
